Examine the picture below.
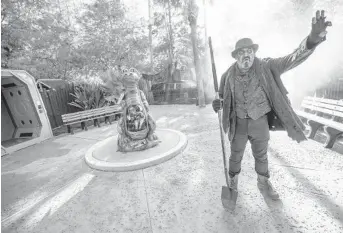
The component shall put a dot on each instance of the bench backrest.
(113, 108)
(328, 106)
(91, 113)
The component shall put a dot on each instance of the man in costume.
(254, 101)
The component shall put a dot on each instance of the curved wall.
(24, 118)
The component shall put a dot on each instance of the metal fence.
(333, 90)
(174, 93)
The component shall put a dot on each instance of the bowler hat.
(244, 43)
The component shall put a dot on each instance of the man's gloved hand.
(319, 26)
(217, 104)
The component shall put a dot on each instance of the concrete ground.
(49, 188)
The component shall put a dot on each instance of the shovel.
(229, 196)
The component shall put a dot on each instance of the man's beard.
(246, 64)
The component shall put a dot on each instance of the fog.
(279, 27)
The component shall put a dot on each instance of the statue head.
(130, 78)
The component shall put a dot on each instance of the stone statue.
(136, 127)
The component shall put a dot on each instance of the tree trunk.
(192, 17)
(208, 83)
(167, 96)
(171, 39)
(201, 96)
(150, 95)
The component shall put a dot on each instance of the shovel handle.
(222, 134)
(214, 72)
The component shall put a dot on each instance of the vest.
(250, 99)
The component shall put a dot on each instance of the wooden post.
(96, 122)
(314, 128)
(82, 125)
(332, 134)
(52, 109)
(70, 129)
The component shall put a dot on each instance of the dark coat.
(268, 71)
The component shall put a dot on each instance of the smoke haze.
(279, 27)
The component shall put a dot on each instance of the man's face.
(245, 58)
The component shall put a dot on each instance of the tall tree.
(171, 52)
(109, 38)
(193, 11)
(35, 37)
(150, 95)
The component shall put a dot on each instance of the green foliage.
(88, 96)
(112, 83)
(110, 38)
(181, 41)
(52, 40)
(35, 38)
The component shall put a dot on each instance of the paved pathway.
(49, 188)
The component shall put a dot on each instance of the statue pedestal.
(105, 157)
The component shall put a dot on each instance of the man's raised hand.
(319, 25)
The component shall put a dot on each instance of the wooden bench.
(326, 113)
(92, 114)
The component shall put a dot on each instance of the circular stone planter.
(105, 157)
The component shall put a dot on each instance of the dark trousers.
(257, 132)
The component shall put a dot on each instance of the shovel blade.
(229, 198)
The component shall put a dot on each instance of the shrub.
(89, 96)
